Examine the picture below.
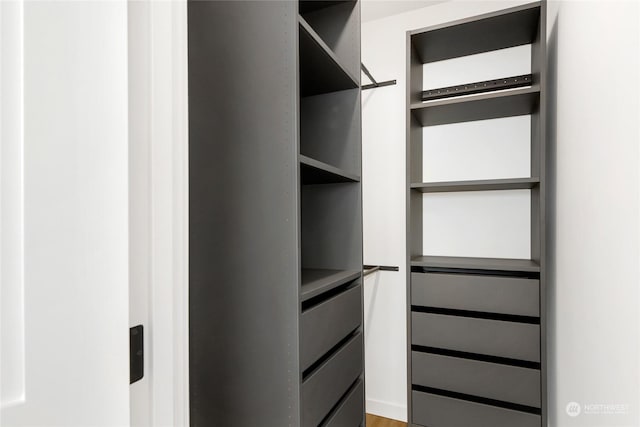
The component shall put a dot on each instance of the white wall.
(599, 245)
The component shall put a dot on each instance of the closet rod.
(368, 269)
(374, 83)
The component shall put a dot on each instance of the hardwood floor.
(375, 421)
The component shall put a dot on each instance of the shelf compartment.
(479, 185)
(316, 281)
(316, 172)
(478, 378)
(493, 105)
(441, 411)
(478, 87)
(497, 30)
(320, 69)
(471, 263)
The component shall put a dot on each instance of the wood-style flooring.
(375, 421)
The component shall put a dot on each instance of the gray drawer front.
(350, 413)
(439, 411)
(324, 325)
(491, 337)
(506, 295)
(483, 379)
(324, 388)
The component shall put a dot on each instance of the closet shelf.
(318, 281)
(308, 6)
(316, 172)
(483, 106)
(479, 185)
(496, 30)
(470, 263)
(320, 69)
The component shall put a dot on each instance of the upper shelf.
(470, 263)
(316, 172)
(317, 281)
(479, 185)
(308, 6)
(490, 105)
(507, 28)
(320, 69)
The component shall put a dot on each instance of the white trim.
(12, 321)
(392, 410)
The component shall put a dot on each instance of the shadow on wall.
(551, 162)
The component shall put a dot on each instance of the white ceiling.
(376, 9)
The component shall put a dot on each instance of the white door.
(64, 214)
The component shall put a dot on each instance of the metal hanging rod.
(368, 269)
(374, 83)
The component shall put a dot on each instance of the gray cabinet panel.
(491, 337)
(438, 411)
(491, 380)
(323, 389)
(508, 295)
(349, 413)
(324, 325)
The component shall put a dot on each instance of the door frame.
(159, 287)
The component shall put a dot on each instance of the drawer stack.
(475, 349)
(476, 96)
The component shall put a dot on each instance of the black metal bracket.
(478, 87)
(374, 84)
(136, 354)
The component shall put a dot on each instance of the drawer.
(491, 380)
(439, 411)
(325, 325)
(323, 389)
(482, 336)
(350, 412)
(507, 295)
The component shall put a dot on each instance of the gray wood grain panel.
(491, 380)
(323, 389)
(349, 412)
(490, 337)
(439, 411)
(493, 294)
(243, 213)
(323, 326)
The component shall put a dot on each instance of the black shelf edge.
(476, 185)
(318, 281)
(478, 87)
(482, 106)
(320, 69)
(316, 172)
(511, 27)
(487, 264)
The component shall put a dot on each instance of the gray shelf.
(507, 28)
(490, 105)
(469, 263)
(317, 281)
(320, 69)
(477, 185)
(316, 172)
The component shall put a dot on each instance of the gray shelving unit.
(275, 214)
(476, 326)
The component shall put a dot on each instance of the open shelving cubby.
(474, 319)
